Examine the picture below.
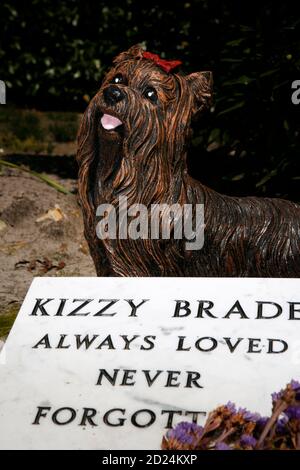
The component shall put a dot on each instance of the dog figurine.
(133, 142)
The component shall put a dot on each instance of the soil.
(41, 233)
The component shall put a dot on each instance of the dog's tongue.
(110, 122)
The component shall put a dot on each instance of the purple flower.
(231, 407)
(248, 440)
(243, 425)
(248, 416)
(262, 421)
(295, 385)
(222, 446)
(293, 412)
(277, 395)
(185, 433)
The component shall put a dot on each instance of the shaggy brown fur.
(145, 159)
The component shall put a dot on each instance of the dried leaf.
(60, 265)
(55, 214)
(3, 225)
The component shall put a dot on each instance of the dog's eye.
(151, 94)
(118, 79)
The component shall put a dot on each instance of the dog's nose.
(113, 95)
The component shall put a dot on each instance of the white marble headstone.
(110, 363)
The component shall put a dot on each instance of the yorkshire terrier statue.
(133, 142)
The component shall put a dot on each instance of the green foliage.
(66, 117)
(40, 176)
(7, 318)
(35, 131)
(25, 125)
(64, 132)
(53, 55)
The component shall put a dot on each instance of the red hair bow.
(166, 65)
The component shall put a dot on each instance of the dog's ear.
(134, 52)
(201, 86)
